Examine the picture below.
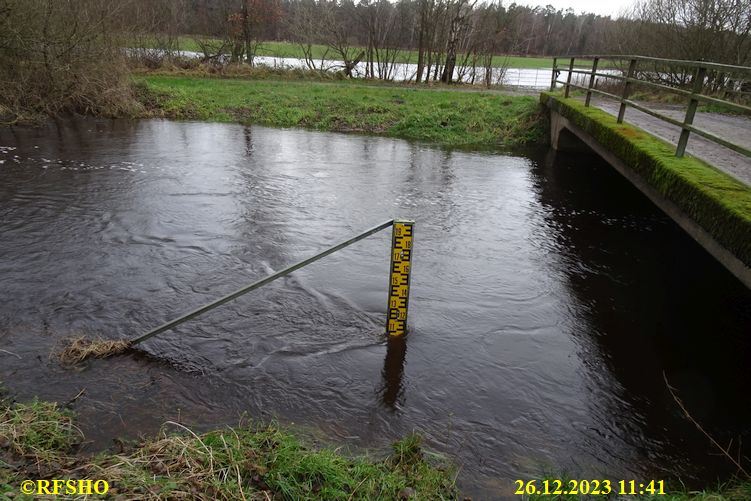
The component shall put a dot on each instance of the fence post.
(555, 76)
(691, 110)
(626, 88)
(401, 266)
(570, 72)
(591, 82)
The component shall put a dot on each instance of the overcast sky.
(603, 7)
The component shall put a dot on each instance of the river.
(549, 298)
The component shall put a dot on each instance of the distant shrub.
(58, 56)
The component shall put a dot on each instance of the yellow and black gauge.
(401, 265)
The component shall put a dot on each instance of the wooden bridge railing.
(691, 79)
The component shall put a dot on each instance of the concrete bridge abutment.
(727, 237)
(561, 137)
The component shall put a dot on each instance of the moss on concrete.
(716, 201)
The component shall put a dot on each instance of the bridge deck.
(734, 128)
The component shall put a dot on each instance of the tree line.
(439, 36)
(445, 38)
(58, 54)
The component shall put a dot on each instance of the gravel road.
(736, 129)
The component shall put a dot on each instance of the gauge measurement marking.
(401, 265)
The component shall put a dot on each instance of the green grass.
(447, 118)
(293, 50)
(233, 463)
(38, 432)
(723, 108)
(250, 461)
(37, 429)
(247, 462)
(716, 201)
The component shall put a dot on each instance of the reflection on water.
(393, 371)
(548, 297)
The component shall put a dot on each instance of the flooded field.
(549, 298)
(530, 78)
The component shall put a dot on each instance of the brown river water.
(549, 297)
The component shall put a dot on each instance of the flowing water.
(549, 298)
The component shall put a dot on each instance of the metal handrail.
(694, 95)
(678, 62)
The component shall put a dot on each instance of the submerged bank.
(442, 117)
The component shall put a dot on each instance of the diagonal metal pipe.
(259, 283)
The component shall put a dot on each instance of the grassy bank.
(443, 117)
(38, 441)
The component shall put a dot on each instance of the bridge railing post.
(591, 81)
(626, 89)
(698, 83)
(555, 74)
(568, 79)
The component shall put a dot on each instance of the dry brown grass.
(197, 69)
(78, 349)
(250, 462)
(184, 458)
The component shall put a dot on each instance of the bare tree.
(305, 27)
(382, 22)
(459, 11)
(716, 30)
(338, 28)
(155, 28)
(426, 13)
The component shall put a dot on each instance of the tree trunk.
(421, 47)
(350, 65)
(246, 34)
(448, 69)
